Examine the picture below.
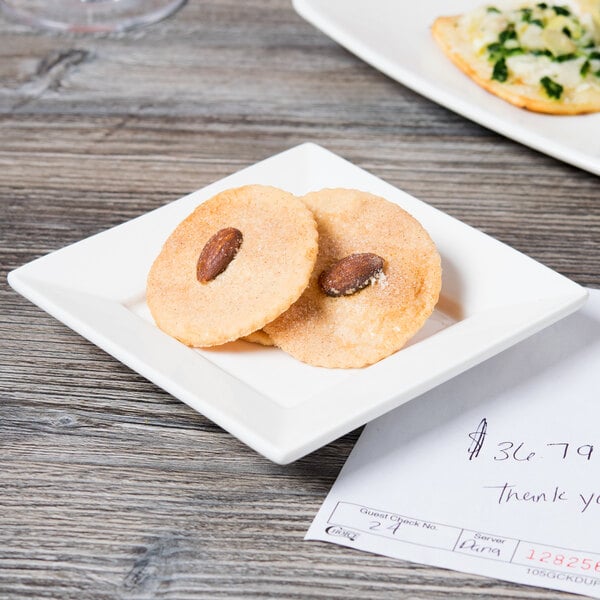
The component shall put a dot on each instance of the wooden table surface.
(110, 487)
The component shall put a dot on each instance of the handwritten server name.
(485, 545)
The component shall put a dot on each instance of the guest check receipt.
(496, 472)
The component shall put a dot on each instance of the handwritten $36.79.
(521, 451)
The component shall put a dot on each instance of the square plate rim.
(482, 115)
(300, 437)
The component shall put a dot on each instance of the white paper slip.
(496, 472)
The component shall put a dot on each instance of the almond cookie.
(376, 281)
(236, 263)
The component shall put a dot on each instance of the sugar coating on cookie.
(269, 272)
(362, 328)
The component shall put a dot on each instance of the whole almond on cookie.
(350, 274)
(217, 253)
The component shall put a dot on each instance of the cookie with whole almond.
(376, 281)
(236, 263)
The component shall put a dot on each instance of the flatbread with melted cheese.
(542, 57)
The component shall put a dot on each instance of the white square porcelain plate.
(492, 297)
(395, 38)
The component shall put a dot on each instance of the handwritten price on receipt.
(520, 452)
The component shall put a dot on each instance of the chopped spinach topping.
(497, 51)
(565, 57)
(585, 68)
(552, 88)
(500, 72)
(526, 16)
(508, 43)
(508, 34)
(562, 10)
(544, 52)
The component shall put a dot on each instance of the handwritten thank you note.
(496, 472)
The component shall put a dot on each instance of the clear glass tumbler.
(89, 16)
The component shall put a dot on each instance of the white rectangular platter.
(395, 38)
